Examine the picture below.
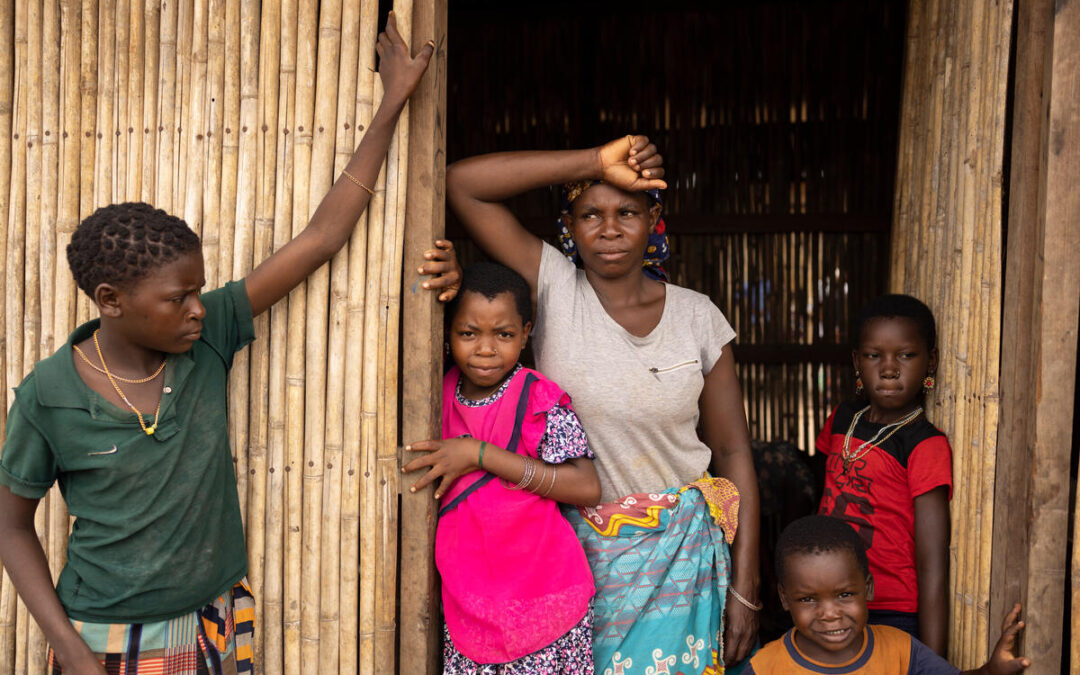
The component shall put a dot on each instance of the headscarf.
(656, 251)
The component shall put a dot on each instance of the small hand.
(399, 71)
(1004, 660)
(740, 631)
(442, 262)
(449, 459)
(632, 164)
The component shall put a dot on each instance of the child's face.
(486, 339)
(826, 594)
(892, 359)
(162, 310)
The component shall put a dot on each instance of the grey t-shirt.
(637, 397)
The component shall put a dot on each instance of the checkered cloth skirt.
(216, 640)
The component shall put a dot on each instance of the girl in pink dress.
(516, 585)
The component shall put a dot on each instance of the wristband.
(480, 462)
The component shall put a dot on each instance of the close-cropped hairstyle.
(491, 279)
(899, 305)
(122, 243)
(819, 534)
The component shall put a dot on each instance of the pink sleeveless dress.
(514, 577)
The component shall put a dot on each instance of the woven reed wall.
(947, 250)
(778, 124)
(236, 115)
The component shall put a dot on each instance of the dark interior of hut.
(778, 122)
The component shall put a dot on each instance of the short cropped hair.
(898, 305)
(122, 243)
(819, 534)
(491, 279)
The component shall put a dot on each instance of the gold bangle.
(744, 602)
(353, 179)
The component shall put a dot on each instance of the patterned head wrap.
(656, 251)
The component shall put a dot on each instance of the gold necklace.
(149, 430)
(850, 457)
(122, 379)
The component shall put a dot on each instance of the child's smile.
(486, 339)
(826, 594)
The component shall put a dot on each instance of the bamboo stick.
(167, 105)
(197, 106)
(335, 603)
(119, 122)
(150, 124)
(242, 235)
(295, 362)
(133, 131)
(273, 587)
(353, 543)
(50, 157)
(318, 655)
(230, 142)
(266, 163)
(103, 160)
(211, 199)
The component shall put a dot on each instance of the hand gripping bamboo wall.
(947, 251)
(237, 115)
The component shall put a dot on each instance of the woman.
(644, 362)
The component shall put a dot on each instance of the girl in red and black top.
(889, 470)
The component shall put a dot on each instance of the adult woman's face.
(611, 229)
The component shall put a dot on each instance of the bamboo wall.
(236, 115)
(947, 250)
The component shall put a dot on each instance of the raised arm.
(727, 436)
(342, 206)
(477, 186)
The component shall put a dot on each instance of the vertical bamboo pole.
(335, 604)
(178, 170)
(215, 132)
(266, 141)
(295, 362)
(15, 610)
(373, 335)
(103, 160)
(273, 587)
(357, 612)
(317, 655)
(120, 110)
(230, 142)
(167, 106)
(197, 106)
(133, 131)
(50, 157)
(150, 124)
(243, 234)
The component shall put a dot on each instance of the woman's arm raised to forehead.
(476, 187)
(336, 216)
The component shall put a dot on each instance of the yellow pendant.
(151, 429)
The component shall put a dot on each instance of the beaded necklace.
(877, 439)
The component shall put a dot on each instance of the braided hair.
(122, 243)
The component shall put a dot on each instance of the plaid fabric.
(215, 640)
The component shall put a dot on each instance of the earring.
(928, 384)
(858, 384)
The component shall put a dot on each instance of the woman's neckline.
(611, 320)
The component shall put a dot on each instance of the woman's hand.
(740, 631)
(442, 263)
(449, 459)
(631, 163)
(400, 72)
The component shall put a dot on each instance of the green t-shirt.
(157, 530)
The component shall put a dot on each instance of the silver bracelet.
(527, 475)
(554, 473)
(744, 602)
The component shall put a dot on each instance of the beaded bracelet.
(354, 179)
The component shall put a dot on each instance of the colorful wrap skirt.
(662, 568)
(216, 640)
